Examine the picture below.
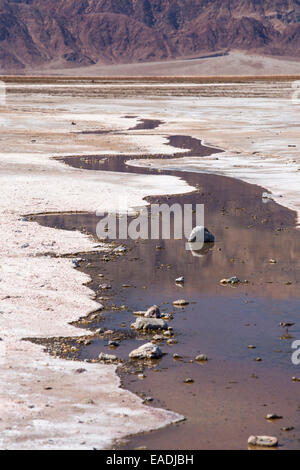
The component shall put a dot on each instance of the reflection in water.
(200, 253)
(248, 234)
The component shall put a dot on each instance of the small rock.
(201, 358)
(153, 312)
(158, 338)
(267, 196)
(230, 280)
(263, 441)
(113, 344)
(287, 428)
(189, 381)
(139, 313)
(167, 316)
(251, 346)
(149, 324)
(146, 351)
(171, 341)
(180, 280)
(148, 399)
(177, 356)
(120, 249)
(273, 417)
(286, 324)
(107, 357)
(105, 286)
(180, 303)
(76, 262)
(168, 333)
(108, 332)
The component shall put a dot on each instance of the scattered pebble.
(177, 356)
(146, 351)
(286, 324)
(189, 381)
(148, 399)
(180, 303)
(267, 196)
(120, 249)
(168, 333)
(230, 280)
(108, 332)
(167, 316)
(201, 358)
(158, 338)
(263, 441)
(149, 324)
(107, 357)
(273, 417)
(76, 263)
(171, 341)
(104, 286)
(139, 313)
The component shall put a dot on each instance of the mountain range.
(73, 33)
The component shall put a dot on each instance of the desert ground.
(220, 64)
(45, 402)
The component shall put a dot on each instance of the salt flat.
(41, 295)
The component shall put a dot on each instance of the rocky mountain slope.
(62, 33)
